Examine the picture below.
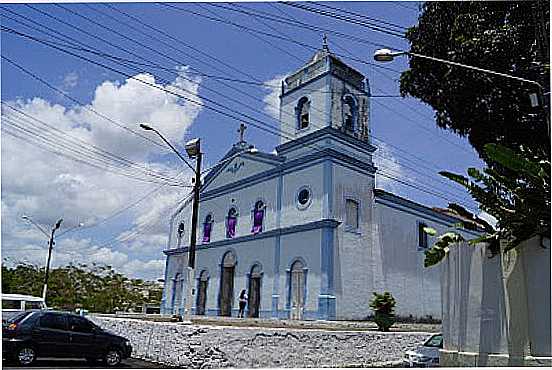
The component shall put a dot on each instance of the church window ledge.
(325, 223)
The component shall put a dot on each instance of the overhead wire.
(82, 145)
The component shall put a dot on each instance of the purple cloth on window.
(231, 231)
(257, 221)
(207, 232)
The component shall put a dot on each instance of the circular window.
(303, 197)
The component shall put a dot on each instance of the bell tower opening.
(323, 93)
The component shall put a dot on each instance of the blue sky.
(47, 187)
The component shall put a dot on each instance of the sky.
(74, 150)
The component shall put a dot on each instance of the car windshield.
(15, 318)
(434, 341)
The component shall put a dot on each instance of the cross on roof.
(241, 131)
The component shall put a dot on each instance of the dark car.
(29, 335)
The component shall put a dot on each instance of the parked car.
(12, 304)
(33, 334)
(426, 355)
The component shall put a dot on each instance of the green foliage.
(97, 288)
(383, 306)
(521, 204)
(509, 37)
(384, 303)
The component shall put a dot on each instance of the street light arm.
(173, 149)
(37, 226)
(471, 67)
(69, 230)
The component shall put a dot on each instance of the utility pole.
(193, 232)
(193, 149)
(50, 247)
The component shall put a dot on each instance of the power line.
(356, 14)
(380, 29)
(126, 75)
(79, 143)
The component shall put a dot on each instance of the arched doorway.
(176, 296)
(227, 284)
(202, 292)
(254, 302)
(297, 290)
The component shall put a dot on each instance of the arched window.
(303, 108)
(258, 216)
(180, 233)
(231, 221)
(349, 113)
(207, 227)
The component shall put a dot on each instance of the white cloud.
(47, 186)
(272, 99)
(388, 164)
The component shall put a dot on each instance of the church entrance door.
(202, 293)
(227, 284)
(254, 301)
(297, 290)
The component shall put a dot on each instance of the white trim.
(300, 206)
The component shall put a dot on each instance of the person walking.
(243, 303)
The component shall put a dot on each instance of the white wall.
(496, 311)
(352, 258)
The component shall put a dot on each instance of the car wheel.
(25, 356)
(113, 357)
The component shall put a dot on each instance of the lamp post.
(386, 55)
(193, 149)
(50, 247)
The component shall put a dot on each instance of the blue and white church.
(303, 229)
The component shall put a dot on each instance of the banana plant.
(520, 202)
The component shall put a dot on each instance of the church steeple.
(325, 92)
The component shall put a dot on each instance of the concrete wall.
(496, 311)
(193, 346)
(353, 260)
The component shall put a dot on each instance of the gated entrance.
(227, 284)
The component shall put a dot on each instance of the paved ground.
(47, 363)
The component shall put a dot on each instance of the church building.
(303, 229)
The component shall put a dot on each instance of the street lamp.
(50, 247)
(193, 149)
(386, 55)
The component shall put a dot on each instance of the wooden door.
(201, 297)
(297, 291)
(227, 291)
(254, 297)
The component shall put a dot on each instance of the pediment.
(241, 167)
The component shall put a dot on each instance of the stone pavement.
(250, 344)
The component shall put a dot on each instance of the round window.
(303, 197)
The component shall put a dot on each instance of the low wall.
(496, 311)
(198, 346)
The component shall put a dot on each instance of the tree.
(508, 37)
(521, 204)
(97, 288)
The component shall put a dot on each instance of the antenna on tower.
(325, 42)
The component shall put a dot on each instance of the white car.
(15, 303)
(426, 355)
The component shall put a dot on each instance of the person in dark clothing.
(243, 303)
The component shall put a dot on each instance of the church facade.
(303, 229)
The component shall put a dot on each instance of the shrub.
(383, 306)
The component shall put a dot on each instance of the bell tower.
(324, 93)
